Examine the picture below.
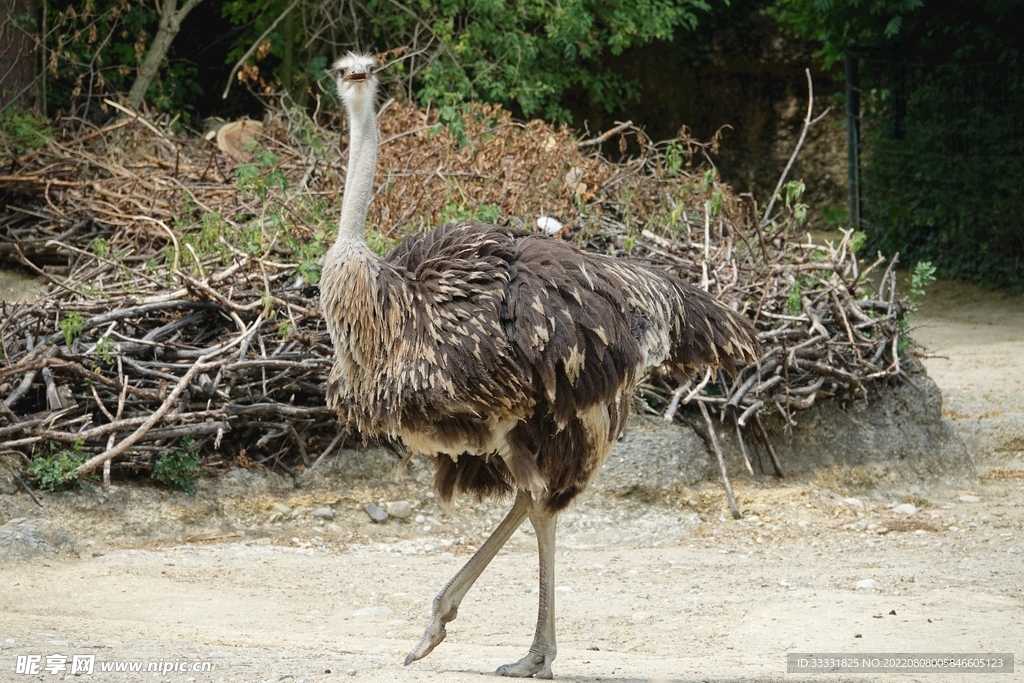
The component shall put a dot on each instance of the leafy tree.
(942, 88)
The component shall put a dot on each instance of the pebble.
(867, 584)
(282, 508)
(907, 509)
(563, 589)
(966, 498)
(351, 672)
(640, 617)
(854, 503)
(334, 528)
(399, 508)
(420, 519)
(323, 513)
(372, 611)
(1016, 550)
(376, 514)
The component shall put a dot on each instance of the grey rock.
(905, 509)
(420, 519)
(855, 503)
(324, 513)
(654, 459)
(967, 498)
(867, 585)
(1016, 550)
(399, 508)
(282, 508)
(897, 438)
(376, 514)
(9, 466)
(23, 539)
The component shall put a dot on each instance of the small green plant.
(709, 177)
(23, 130)
(262, 175)
(920, 502)
(57, 472)
(180, 469)
(101, 247)
(380, 244)
(105, 348)
(923, 275)
(675, 157)
(71, 325)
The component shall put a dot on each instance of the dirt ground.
(245, 577)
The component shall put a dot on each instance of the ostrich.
(510, 357)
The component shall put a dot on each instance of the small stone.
(376, 514)
(420, 519)
(398, 508)
(282, 508)
(907, 509)
(1016, 550)
(854, 503)
(867, 585)
(640, 617)
(351, 672)
(334, 528)
(323, 513)
(563, 589)
(967, 498)
(375, 610)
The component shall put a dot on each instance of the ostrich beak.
(356, 77)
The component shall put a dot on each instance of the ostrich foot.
(435, 632)
(535, 664)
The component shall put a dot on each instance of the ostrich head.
(356, 79)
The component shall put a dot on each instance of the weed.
(180, 469)
(23, 130)
(57, 472)
(105, 348)
(71, 325)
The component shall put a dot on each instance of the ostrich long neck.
(362, 162)
(349, 286)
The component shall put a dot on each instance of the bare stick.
(808, 122)
(743, 447)
(255, 45)
(201, 365)
(733, 508)
(605, 135)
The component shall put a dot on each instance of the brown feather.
(511, 356)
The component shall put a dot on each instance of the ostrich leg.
(446, 604)
(537, 661)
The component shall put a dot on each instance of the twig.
(808, 122)
(713, 436)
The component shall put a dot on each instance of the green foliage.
(180, 469)
(942, 90)
(95, 48)
(57, 472)
(101, 247)
(923, 275)
(71, 325)
(23, 130)
(675, 157)
(105, 348)
(526, 54)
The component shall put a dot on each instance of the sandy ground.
(669, 591)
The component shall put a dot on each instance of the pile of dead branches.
(182, 299)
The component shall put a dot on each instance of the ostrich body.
(510, 357)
